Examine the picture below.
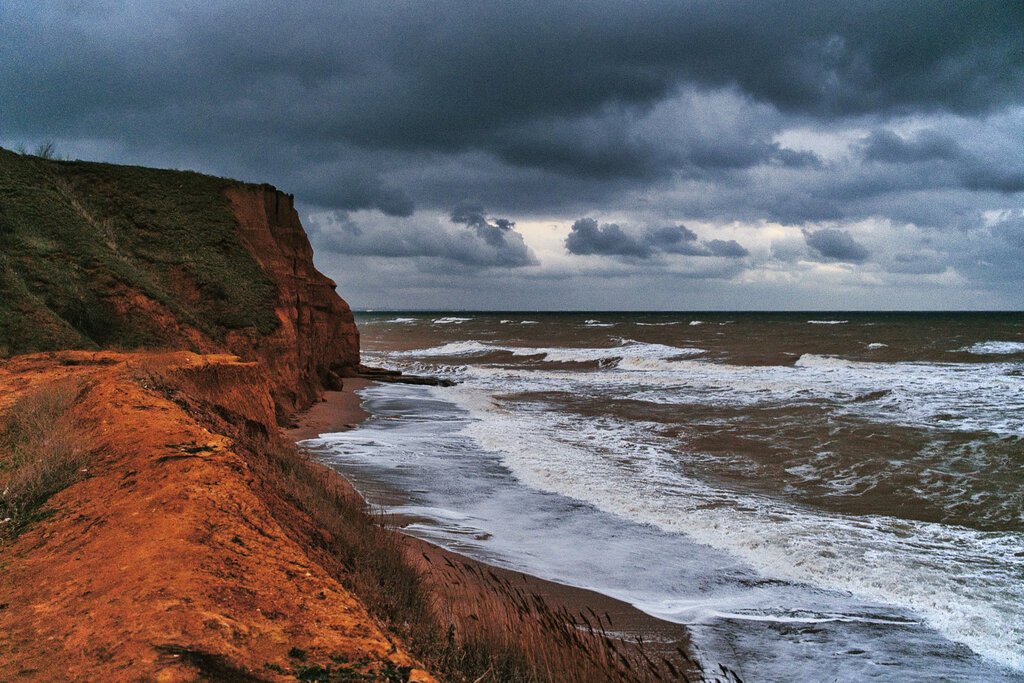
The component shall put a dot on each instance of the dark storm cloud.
(587, 238)
(481, 244)
(837, 245)
(659, 112)
(467, 75)
(495, 234)
(885, 145)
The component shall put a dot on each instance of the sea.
(817, 496)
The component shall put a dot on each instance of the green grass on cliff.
(78, 239)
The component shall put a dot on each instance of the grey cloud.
(588, 238)
(917, 264)
(980, 176)
(727, 248)
(676, 239)
(971, 170)
(483, 245)
(494, 234)
(362, 191)
(885, 145)
(993, 253)
(837, 245)
(788, 249)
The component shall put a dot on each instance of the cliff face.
(99, 256)
(317, 340)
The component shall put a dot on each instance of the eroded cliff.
(317, 340)
(104, 256)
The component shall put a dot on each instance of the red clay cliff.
(317, 341)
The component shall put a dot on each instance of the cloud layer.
(882, 137)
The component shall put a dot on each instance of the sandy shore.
(337, 412)
(342, 410)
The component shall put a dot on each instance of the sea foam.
(962, 581)
(995, 347)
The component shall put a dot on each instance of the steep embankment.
(182, 549)
(159, 527)
(103, 256)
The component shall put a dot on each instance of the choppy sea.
(818, 496)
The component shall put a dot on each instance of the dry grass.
(500, 631)
(41, 452)
(375, 567)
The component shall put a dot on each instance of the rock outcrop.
(317, 340)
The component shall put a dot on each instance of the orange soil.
(170, 546)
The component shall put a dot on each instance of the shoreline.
(464, 579)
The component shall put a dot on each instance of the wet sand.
(342, 410)
(337, 412)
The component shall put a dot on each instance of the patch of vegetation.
(373, 557)
(41, 453)
(78, 237)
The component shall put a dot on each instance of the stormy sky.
(689, 154)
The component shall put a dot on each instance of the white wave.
(965, 583)
(449, 320)
(629, 350)
(597, 323)
(877, 345)
(528, 322)
(827, 322)
(965, 397)
(661, 363)
(460, 348)
(813, 360)
(696, 322)
(674, 322)
(995, 347)
(401, 320)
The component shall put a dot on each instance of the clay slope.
(174, 557)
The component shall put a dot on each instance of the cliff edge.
(189, 542)
(97, 256)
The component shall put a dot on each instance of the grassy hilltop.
(81, 241)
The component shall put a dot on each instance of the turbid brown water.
(817, 495)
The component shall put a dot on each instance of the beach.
(458, 580)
